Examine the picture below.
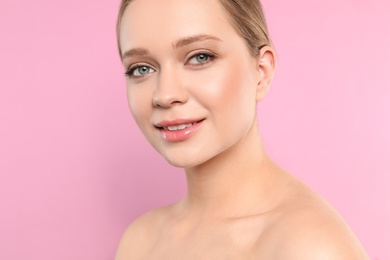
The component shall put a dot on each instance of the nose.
(170, 90)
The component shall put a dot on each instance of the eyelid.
(130, 70)
(210, 54)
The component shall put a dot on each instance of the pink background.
(75, 170)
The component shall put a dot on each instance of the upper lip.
(166, 123)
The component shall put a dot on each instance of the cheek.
(228, 87)
(139, 100)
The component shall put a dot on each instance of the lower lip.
(179, 135)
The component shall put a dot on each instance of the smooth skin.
(186, 61)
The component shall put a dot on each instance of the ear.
(266, 65)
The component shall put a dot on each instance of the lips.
(178, 130)
(178, 127)
(177, 124)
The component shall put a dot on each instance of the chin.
(184, 161)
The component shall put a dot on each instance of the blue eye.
(200, 58)
(139, 71)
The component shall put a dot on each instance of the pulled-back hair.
(246, 17)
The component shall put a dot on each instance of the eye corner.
(139, 71)
(201, 58)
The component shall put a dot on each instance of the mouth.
(178, 130)
(176, 126)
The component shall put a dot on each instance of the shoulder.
(316, 235)
(309, 228)
(138, 236)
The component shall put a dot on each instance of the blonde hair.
(246, 17)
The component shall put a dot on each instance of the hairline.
(230, 19)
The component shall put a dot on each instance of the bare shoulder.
(139, 236)
(319, 235)
(309, 228)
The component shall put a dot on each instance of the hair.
(246, 17)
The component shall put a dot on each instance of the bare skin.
(267, 214)
(240, 204)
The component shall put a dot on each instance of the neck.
(236, 183)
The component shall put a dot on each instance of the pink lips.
(178, 130)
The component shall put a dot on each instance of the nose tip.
(169, 92)
(167, 101)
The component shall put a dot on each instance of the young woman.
(195, 72)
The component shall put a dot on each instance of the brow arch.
(176, 45)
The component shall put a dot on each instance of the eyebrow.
(135, 52)
(197, 38)
(178, 44)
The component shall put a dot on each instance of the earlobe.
(266, 69)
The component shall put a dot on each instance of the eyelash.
(210, 57)
(131, 70)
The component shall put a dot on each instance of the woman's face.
(191, 82)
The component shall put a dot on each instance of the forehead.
(167, 20)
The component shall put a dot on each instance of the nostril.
(168, 101)
(169, 94)
(176, 102)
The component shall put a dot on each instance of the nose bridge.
(169, 89)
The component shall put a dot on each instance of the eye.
(139, 71)
(200, 58)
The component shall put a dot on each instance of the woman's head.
(192, 82)
(246, 16)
